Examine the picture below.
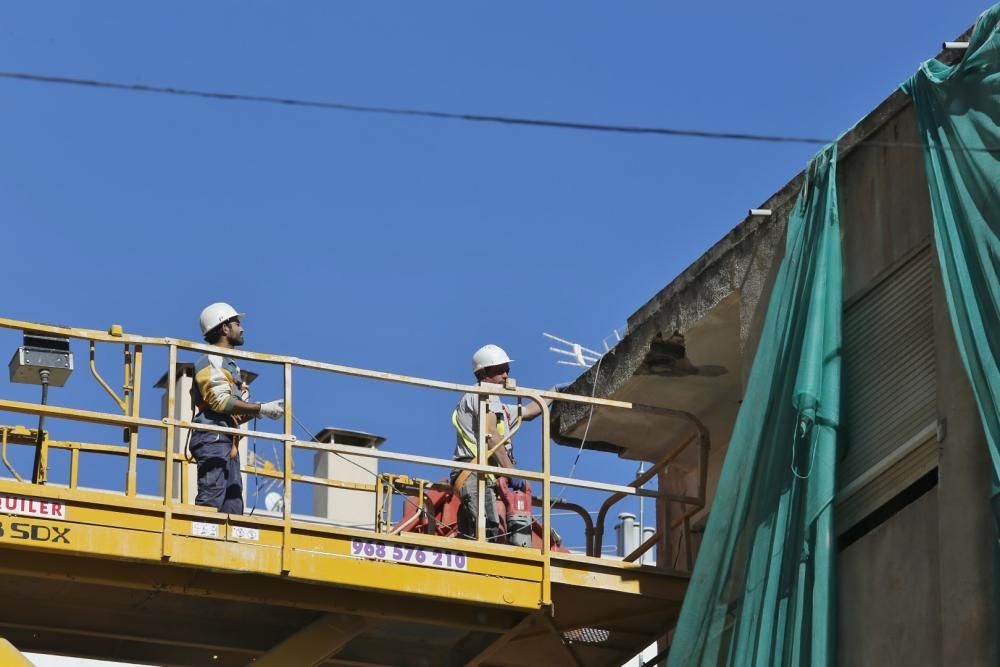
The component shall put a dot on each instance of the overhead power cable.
(447, 115)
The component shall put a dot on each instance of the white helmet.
(489, 355)
(216, 314)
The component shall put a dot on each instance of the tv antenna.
(579, 355)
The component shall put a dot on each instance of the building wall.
(888, 591)
(965, 524)
(916, 577)
(924, 577)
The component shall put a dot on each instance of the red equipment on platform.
(514, 502)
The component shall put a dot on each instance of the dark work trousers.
(469, 510)
(220, 484)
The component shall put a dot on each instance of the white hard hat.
(489, 355)
(216, 314)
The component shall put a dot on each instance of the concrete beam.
(313, 644)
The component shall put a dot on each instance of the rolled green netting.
(958, 111)
(762, 591)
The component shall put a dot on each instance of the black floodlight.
(43, 359)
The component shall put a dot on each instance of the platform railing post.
(546, 507)
(481, 459)
(286, 510)
(168, 451)
(665, 545)
(133, 431)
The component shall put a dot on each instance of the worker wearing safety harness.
(221, 398)
(491, 366)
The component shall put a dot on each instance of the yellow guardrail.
(131, 420)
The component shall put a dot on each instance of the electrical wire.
(586, 431)
(467, 117)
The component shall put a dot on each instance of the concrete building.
(915, 533)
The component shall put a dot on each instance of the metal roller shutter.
(889, 410)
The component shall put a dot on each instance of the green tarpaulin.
(762, 592)
(958, 111)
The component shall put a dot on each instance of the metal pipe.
(286, 509)
(121, 450)
(687, 514)
(546, 501)
(504, 440)
(379, 502)
(481, 459)
(168, 455)
(135, 377)
(127, 384)
(78, 415)
(74, 467)
(41, 455)
(100, 336)
(637, 482)
(644, 547)
(111, 392)
(406, 524)
(664, 553)
(5, 461)
(588, 523)
(390, 490)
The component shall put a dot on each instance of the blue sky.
(403, 244)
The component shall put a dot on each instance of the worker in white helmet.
(491, 366)
(221, 398)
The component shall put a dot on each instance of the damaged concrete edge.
(740, 261)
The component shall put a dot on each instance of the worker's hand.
(234, 452)
(273, 409)
(245, 392)
(516, 484)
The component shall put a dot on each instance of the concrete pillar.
(346, 507)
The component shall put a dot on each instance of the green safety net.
(958, 111)
(762, 591)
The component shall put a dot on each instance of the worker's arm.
(216, 388)
(530, 410)
(217, 391)
(502, 458)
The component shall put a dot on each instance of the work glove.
(273, 409)
(245, 392)
(516, 484)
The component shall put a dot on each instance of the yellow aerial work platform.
(158, 580)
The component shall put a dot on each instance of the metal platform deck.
(90, 574)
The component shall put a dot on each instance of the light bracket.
(42, 352)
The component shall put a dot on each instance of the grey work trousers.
(469, 510)
(220, 484)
